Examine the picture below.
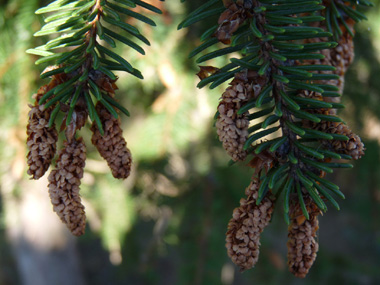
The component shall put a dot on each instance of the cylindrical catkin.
(41, 141)
(302, 244)
(64, 182)
(245, 227)
(112, 145)
(353, 147)
(232, 128)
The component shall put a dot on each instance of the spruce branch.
(86, 59)
(280, 107)
(82, 84)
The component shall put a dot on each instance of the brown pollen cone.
(353, 146)
(112, 145)
(64, 182)
(232, 128)
(41, 140)
(302, 244)
(245, 227)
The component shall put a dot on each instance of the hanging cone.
(302, 244)
(64, 182)
(232, 128)
(245, 227)
(112, 145)
(353, 147)
(41, 140)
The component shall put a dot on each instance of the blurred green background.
(166, 224)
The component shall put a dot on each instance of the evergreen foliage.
(82, 85)
(84, 35)
(280, 108)
(287, 60)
